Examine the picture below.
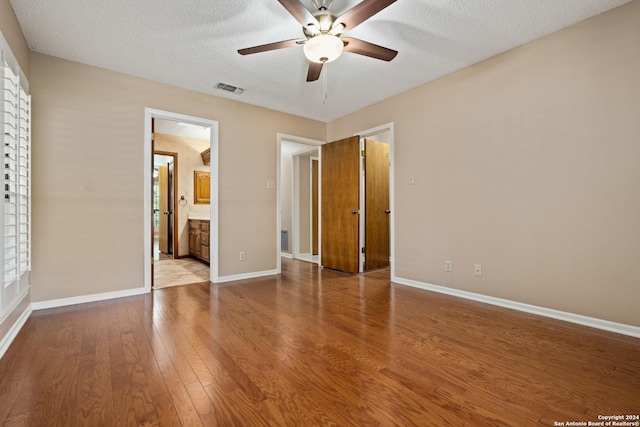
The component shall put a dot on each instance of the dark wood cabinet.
(199, 239)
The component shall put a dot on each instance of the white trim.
(295, 200)
(282, 137)
(295, 205)
(311, 241)
(606, 325)
(15, 302)
(13, 331)
(62, 302)
(286, 255)
(254, 275)
(150, 113)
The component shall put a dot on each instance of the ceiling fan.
(323, 42)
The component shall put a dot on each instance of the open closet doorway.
(298, 198)
(376, 199)
(181, 214)
(357, 200)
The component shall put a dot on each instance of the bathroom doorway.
(183, 154)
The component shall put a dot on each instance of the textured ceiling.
(193, 43)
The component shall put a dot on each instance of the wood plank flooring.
(311, 347)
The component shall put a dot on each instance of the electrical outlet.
(448, 266)
(243, 256)
(477, 268)
(411, 180)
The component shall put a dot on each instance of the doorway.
(357, 200)
(375, 215)
(298, 160)
(180, 206)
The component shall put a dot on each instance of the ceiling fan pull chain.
(324, 82)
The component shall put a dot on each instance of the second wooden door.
(340, 202)
(377, 206)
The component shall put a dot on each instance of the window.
(15, 230)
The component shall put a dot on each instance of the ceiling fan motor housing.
(325, 20)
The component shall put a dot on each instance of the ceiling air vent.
(229, 88)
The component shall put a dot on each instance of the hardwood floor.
(311, 347)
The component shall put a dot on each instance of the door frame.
(174, 199)
(295, 201)
(313, 143)
(317, 237)
(371, 134)
(147, 241)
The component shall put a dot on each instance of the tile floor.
(177, 272)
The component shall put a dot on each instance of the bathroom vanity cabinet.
(199, 239)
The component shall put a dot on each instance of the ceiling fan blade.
(299, 12)
(314, 71)
(360, 13)
(362, 47)
(270, 46)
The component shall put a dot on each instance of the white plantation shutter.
(15, 214)
(24, 183)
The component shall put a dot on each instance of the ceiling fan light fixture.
(323, 48)
(338, 29)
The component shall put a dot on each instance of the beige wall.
(529, 164)
(88, 132)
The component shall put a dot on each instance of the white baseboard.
(244, 276)
(13, 331)
(286, 255)
(42, 305)
(619, 328)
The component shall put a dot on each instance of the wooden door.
(314, 207)
(163, 196)
(377, 207)
(340, 204)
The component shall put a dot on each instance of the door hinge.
(153, 136)
(362, 153)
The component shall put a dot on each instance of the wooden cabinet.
(206, 156)
(201, 187)
(199, 239)
(204, 241)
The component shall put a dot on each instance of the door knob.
(387, 211)
(355, 211)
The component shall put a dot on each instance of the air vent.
(230, 88)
